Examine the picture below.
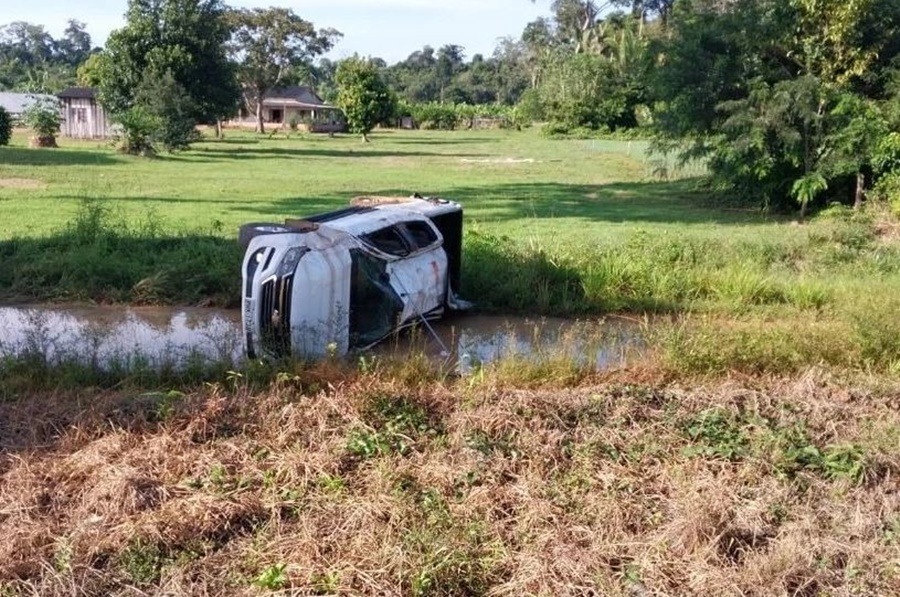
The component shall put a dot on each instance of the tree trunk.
(803, 211)
(218, 128)
(860, 186)
(365, 137)
(260, 125)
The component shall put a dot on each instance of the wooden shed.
(82, 116)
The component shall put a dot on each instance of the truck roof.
(369, 213)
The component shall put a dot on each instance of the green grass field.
(513, 183)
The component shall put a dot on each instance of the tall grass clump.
(642, 275)
(758, 346)
(101, 258)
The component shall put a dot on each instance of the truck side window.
(421, 234)
(387, 240)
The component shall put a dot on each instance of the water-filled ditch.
(104, 336)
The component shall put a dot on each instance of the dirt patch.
(21, 183)
(498, 161)
(42, 141)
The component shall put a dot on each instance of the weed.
(716, 434)
(394, 424)
(503, 444)
(273, 578)
(326, 583)
(142, 561)
(796, 452)
(332, 484)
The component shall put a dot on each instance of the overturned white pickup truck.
(344, 280)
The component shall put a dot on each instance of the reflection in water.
(105, 336)
(171, 337)
(473, 340)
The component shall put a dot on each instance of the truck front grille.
(275, 315)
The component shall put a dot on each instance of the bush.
(138, 130)
(5, 126)
(888, 189)
(448, 117)
(44, 119)
(162, 114)
(166, 100)
(530, 108)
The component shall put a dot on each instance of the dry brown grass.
(365, 484)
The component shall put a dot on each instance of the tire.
(248, 232)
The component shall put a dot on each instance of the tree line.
(789, 102)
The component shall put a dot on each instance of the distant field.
(512, 183)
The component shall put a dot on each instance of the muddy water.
(158, 337)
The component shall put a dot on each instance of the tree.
(32, 61)
(75, 47)
(183, 37)
(582, 90)
(6, 126)
(268, 44)
(450, 62)
(780, 95)
(362, 95)
(93, 71)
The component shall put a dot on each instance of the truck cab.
(344, 280)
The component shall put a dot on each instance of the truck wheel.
(248, 232)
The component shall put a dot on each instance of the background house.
(82, 116)
(298, 104)
(17, 103)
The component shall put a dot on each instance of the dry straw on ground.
(370, 486)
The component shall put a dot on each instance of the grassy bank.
(825, 297)
(392, 481)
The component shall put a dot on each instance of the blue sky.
(390, 29)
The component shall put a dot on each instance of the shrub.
(138, 129)
(166, 100)
(44, 119)
(5, 126)
(888, 189)
(530, 107)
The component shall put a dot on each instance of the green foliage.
(450, 116)
(716, 434)
(583, 90)
(139, 128)
(162, 115)
(780, 96)
(806, 188)
(111, 260)
(43, 117)
(6, 126)
(183, 37)
(32, 60)
(362, 95)
(443, 75)
(273, 578)
(394, 424)
(170, 108)
(888, 189)
(142, 562)
(93, 70)
(530, 108)
(794, 452)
